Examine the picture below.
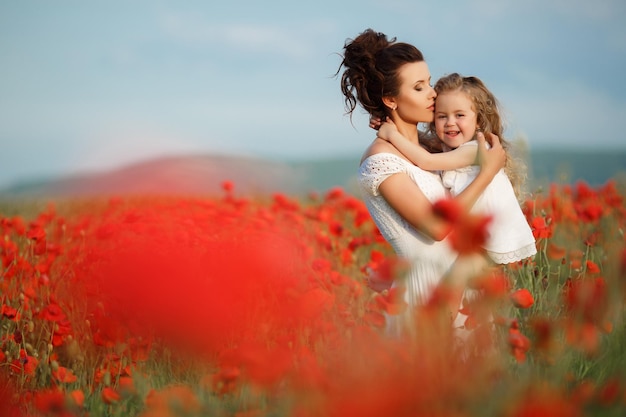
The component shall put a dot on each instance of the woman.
(391, 79)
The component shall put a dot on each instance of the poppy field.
(249, 306)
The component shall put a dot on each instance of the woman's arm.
(456, 158)
(406, 198)
(409, 201)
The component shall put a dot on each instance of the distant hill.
(193, 174)
(204, 174)
(563, 167)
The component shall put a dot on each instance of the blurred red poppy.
(522, 298)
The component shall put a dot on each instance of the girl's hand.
(375, 122)
(493, 159)
(387, 130)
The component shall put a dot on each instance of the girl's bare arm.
(410, 202)
(454, 159)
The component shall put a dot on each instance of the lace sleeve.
(378, 167)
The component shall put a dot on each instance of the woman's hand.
(493, 159)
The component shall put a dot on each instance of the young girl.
(463, 107)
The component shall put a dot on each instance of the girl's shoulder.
(472, 142)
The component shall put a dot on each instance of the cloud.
(253, 38)
(562, 112)
(125, 143)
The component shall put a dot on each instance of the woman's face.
(416, 99)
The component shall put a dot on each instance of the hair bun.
(362, 50)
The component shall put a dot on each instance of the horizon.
(556, 166)
(125, 163)
(94, 85)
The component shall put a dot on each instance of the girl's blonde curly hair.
(488, 118)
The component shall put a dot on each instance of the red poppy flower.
(469, 234)
(36, 233)
(334, 193)
(611, 392)
(63, 375)
(545, 401)
(587, 298)
(174, 397)
(584, 392)
(518, 343)
(322, 265)
(53, 313)
(126, 385)
(556, 252)
(49, 402)
(347, 256)
(541, 230)
(110, 396)
(592, 267)
(381, 271)
(493, 285)
(228, 186)
(448, 209)
(544, 331)
(591, 212)
(582, 335)
(522, 298)
(9, 312)
(335, 228)
(392, 300)
(314, 302)
(26, 364)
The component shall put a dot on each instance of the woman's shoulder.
(380, 148)
(385, 162)
(379, 161)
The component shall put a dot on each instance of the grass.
(243, 306)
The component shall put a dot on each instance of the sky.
(89, 86)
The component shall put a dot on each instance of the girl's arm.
(456, 158)
(409, 201)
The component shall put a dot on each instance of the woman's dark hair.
(371, 64)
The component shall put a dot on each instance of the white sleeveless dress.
(429, 259)
(510, 237)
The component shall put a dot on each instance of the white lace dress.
(429, 259)
(510, 237)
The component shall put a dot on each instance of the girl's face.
(455, 118)
(415, 101)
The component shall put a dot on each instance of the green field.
(544, 167)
